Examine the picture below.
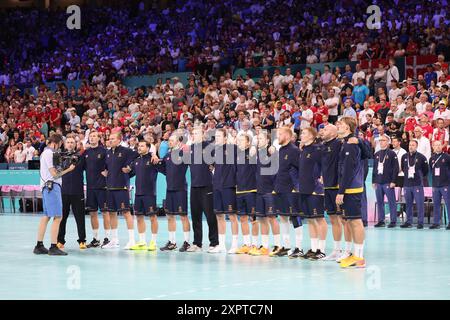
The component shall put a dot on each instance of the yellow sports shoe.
(243, 250)
(253, 250)
(353, 262)
(151, 246)
(83, 246)
(274, 251)
(60, 246)
(139, 246)
(261, 251)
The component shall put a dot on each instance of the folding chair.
(29, 193)
(428, 194)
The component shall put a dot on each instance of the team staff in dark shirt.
(351, 180)
(201, 196)
(384, 174)
(415, 167)
(73, 197)
(440, 177)
(117, 183)
(94, 163)
(145, 168)
(312, 193)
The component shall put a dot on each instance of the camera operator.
(50, 181)
(72, 195)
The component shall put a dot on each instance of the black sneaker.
(169, 246)
(420, 226)
(40, 250)
(392, 225)
(94, 244)
(406, 225)
(319, 255)
(297, 253)
(380, 224)
(365, 224)
(105, 242)
(55, 251)
(282, 252)
(185, 246)
(435, 226)
(448, 227)
(309, 254)
(274, 251)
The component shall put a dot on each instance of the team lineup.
(260, 186)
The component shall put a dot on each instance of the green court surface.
(401, 264)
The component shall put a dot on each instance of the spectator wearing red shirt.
(427, 129)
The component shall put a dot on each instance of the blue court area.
(401, 264)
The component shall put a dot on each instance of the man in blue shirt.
(360, 92)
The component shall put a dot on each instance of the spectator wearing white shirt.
(392, 73)
(29, 150)
(74, 119)
(358, 74)
(399, 152)
(421, 106)
(442, 113)
(395, 91)
(332, 104)
(363, 113)
(20, 155)
(306, 117)
(424, 146)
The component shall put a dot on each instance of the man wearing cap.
(384, 174)
(442, 112)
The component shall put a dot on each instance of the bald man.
(330, 156)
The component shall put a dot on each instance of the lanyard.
(414, 162)
(433, 165)
(384, 159)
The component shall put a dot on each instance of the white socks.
(277, 240)
(154, 237)
(186, 236)
(298, 237)
(108, 233)
(322, 245)
(222, 240)
(314, 244)
(255, 241)
(172, 236)
(284, 229)
(131, 235)
(142, 237)
(348, 246)
(246, 240)
(337, 245)
(358, 250)
(114, 235)
(265, 240)
(95, 232)
(234, 241)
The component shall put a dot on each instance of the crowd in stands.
(211, 37)
(208, 38)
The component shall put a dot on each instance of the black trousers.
(202, 201)
(76, 202)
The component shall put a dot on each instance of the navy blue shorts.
(96, 200)
(118, 200)
(246, 203)
(144, 205)
(312, 205)
(330, 202)
(265, 205)
(176, 202)
(225, 201)
(286, 204)
(351, 208)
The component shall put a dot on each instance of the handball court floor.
(401, 264)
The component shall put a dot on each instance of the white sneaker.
(217, 249)
(336, 254)
(130, 244)
(113, 244)
(194, 248)
(233, 250)
(345, 254)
